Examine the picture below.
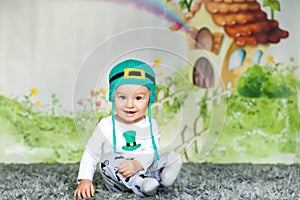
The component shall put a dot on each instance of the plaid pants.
(115, 181)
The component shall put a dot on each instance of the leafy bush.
(272, 81)
(250, 83)
(276, 87)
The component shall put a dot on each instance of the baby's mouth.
(130, 112)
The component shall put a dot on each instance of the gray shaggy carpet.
(196, 181)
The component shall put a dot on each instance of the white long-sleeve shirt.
(101, 142)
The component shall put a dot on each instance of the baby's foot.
(172, 169)
(149, 186)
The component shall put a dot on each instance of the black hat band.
(131, 75)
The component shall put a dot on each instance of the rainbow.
(166, 9)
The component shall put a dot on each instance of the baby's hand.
(85, 189)
(129, 167)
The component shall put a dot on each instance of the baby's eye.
(122, 97)
(138, 98)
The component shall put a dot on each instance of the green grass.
(36, 129)
(259, 130)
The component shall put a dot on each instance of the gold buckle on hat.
(134, 73)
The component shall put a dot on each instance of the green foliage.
(263, 129)
(273, 5)
(276, 81)
(203, 107)
(184, 4)
(258, 130)
(172, 101)
(276, 87)
(40, 130)
(250, 83)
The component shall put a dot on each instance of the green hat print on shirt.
(130, 141)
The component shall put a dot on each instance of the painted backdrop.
(227, 76)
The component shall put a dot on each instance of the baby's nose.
(129, 102)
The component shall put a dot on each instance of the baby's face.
(131, 102)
